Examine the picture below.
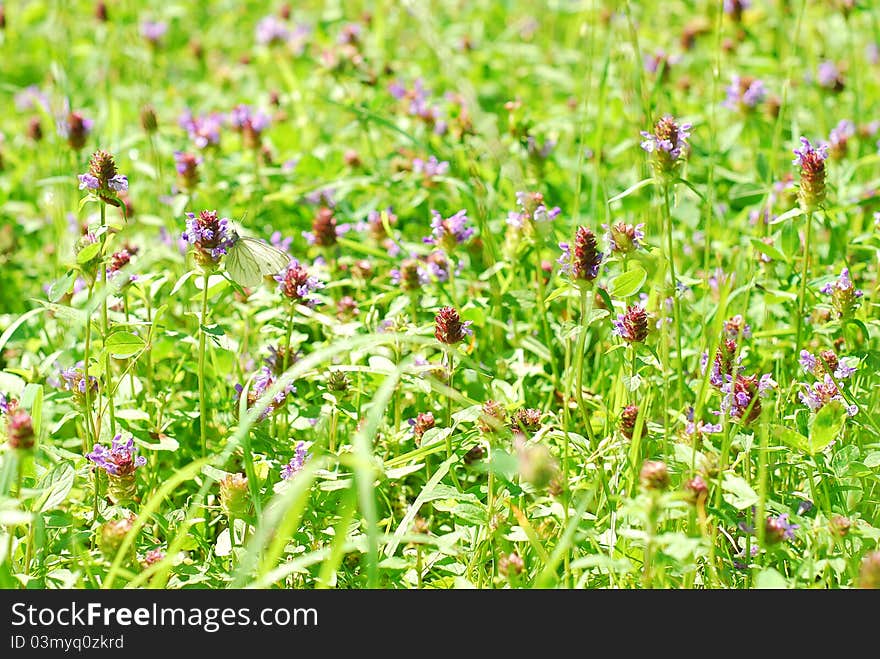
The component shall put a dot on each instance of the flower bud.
(840, 525)
(511, 564)
(811, 160)
(696, 489)
(148, 119)
(628, 420)
(234, 496)
(493, 417)
(654, 475)
(112, 535)
(869, 572)
(20, 430)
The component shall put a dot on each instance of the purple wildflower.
(531, 209)
(323, 196)
(411, 275)
(211, 237)
(811, 160)
(581, 262)
(743, 394)
(250, 123)
(271, 31)
(153, 31)
(262, 382)
(839, 138)
(829, 76)
(624, 238)
(73, 380)
(844, 294)
(280, 242)
(296, 284)
(430, 167)
(744, 93)
(667, 145)
(297, 462)
(821, 393)
(777, 529)
(203, 130)
(120, 459)
(449, 232)
(632, 326)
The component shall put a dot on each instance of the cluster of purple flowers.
(73, 379)
(273, 31)
(624, 238)
(120, 459)
(531, 209)
(430, 168)
(744, 93)
(839, 137)
(153, 31)
(449, 232)
(262, 382)
(203, 130)
(742, 394)
(210, 236)
(844, 294)
(418, 104)
(668, 137)
(296, 284)
(829, 76)
(297, 462)
(250, 123)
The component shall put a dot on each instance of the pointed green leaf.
(123, 344)
(826, 426)
(628, 283)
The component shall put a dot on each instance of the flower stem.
(203, 397)
(586, 312)
(676, 305)
(803, 292)
(105, 324)
(91, 438)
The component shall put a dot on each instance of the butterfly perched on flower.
(251, 259)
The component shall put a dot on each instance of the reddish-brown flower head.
(324, 228)
(628, 420)
(20, 429)
(449, 328)
(632, 326)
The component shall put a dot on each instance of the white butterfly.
(250, 259)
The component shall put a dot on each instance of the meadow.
(411, 295)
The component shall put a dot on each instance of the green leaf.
(738, 493)
(32, 400)
(794, 212)
(826, 426)
(61, 286)
(769, 578)
(628, 283)
(123, 344)
(88, 253)
(57, 484)
(790, 437)
(633, 188)
(770, 250)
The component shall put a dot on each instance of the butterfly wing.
(249, 260)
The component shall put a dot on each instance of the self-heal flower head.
(825, 362)
(735, 8)
(632, 326)
(186, 165)
(271, 31)
(20, 430)
(119, 260)
(120, 459)
(153, 31)
(449, 328)
(821, 393)
(628, 417)
(624, 238)
(430, 168)
(743, 394)
(811, 161)
(211, 237)
(839, 137)
(422, 423)
(744, 93)
(736, 327)
(203, 130)
(723, 363)
(531, 210)
(73, 380)
(262, 382)
(829, 76)
(449, 232)
(411, 275)
(76, 128)
(667, 145)
(325, 230)
(296, 284)
(250, 123)
(581, 260)
(297, 462)
(844, 295)
(779, 528)
(103, 179)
